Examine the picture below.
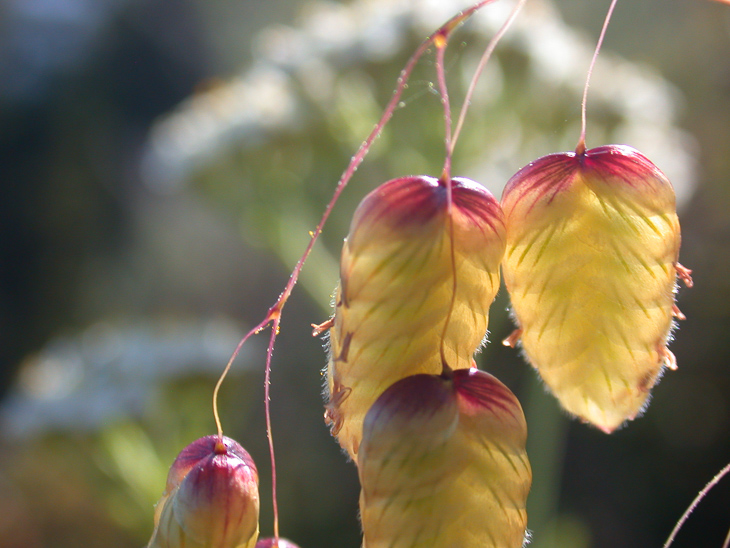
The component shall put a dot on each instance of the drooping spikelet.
(396, 289)
(211, 499)
(591, 266)
(443, 463)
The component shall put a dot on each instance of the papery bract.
(592, 248)
(443, 463)
(396, 289)
(211, 499)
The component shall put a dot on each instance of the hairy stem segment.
(441, 41)
(581, 147)
(398, 310)
(445, 181)
(701, 495)
(273, 316)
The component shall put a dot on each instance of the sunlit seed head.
(443, 463)
(591, 266)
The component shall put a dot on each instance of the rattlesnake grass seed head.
(211, 499)
(591, 267)
(410, 263)
(443, 463)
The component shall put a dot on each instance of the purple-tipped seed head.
(443, 463)
(591, 266)
(211, 499)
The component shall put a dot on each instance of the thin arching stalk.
(269, 430)
(273, 316)
(581, 147)
(694, 504)
(218, 384)
(441, 42)
(478, 72)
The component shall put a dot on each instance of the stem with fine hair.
(581, 146)
(273, 316)
(441, 42)
(694, 504)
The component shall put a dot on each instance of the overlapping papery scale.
(443, 463)
(211, 499)
(396, 290)
(591, 266)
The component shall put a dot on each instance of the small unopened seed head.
(211, 499)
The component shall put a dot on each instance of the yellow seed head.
(443, 463)
(592, 244)
(396, 290)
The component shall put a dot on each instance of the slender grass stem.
(478, 72)
(441, 42)
(581, 146)
(273, 316)
(701, 495)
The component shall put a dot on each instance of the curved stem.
(274, 314)
(218, 384)
(454, 286)
(694, 504)
(477, 73)
(441, 41)
(581, 147)
(269, 431)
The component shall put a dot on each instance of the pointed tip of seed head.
(220, 447)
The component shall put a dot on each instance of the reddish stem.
(274, 314)
(441, 41)
(581, 147)
(477, 73)
(269, 431)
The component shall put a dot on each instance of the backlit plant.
(588, 242)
